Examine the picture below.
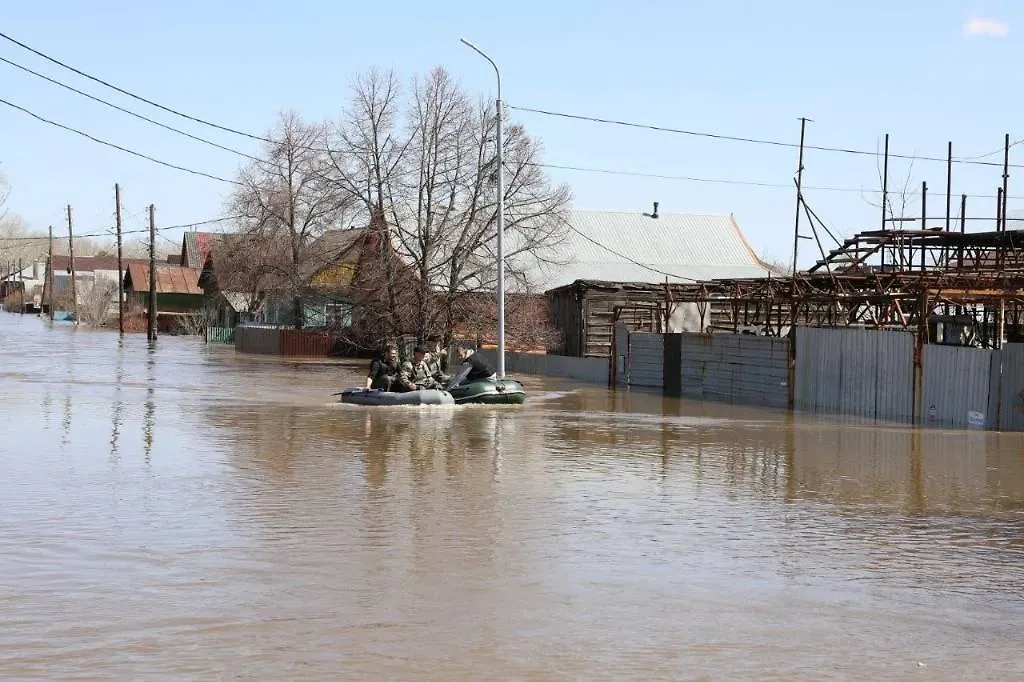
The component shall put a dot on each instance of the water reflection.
(149, 406)
(118, 405)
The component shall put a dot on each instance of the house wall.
(585, 315)
(166, 303)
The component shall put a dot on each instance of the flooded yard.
(190, 513)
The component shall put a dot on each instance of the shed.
(628, 261)
(177, 288)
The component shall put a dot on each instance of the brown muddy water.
(190, 513)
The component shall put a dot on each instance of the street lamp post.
(501, 220)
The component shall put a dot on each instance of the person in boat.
(474, 368)
(424, 371)
(386, 372)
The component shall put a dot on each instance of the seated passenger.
(423, 372)
(386, 373)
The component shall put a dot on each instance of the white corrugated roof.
(628, 246)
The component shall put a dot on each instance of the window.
(338, 315)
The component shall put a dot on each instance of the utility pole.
(885, 191)
(21, 276)
(151, 321)
(71, 255)
(49, 274)
(1006, 177)
(799, 198)
(120, 269)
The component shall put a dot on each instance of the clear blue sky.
(740, 67)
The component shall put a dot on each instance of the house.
(90, 271)
(28, 279)
(330, 265)
(624, 263)
(177, 289)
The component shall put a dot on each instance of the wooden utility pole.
(21, 276)
(120, 269)
(49, 274)
(71, 255)
(151, 322)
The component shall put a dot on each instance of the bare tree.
(424, 168)
(286, 201)
(96, 303)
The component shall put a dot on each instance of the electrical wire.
(131, 94)
(627, 258)
(129, 112)
(118, 147)
(594, 119)
(726, 181)
(110, 233)
(749, 140)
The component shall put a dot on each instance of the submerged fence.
(726, 367)
(286, 342)
(868, 374)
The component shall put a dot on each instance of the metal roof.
(170, 279)
(630, 246)
(93, 263)
(196, 246)
(239, 301)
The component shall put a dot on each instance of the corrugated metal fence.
(957, 386)
(855, 372)
(733, 368)
(1011, 388)
(723, 367)
(646, 361)
(284, 342)
(865, 374)
(259, 340)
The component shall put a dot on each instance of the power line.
(727, 181)
(749, 140)
(627, 258)
(118, 147)
(123, 232)
(130, 94)
(127, 111)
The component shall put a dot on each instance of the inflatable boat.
(360, 396)
(490, 392)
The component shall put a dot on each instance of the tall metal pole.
(1006, 177)
(151, 321)
(949, 182)
(924, 214)
(501, 217)
(49, 274)
(799, 197)
(71, 255)
(120, 268)
(885, 190)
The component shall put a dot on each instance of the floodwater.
(190, 513)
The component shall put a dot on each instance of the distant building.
(90, 271)
(620, 265)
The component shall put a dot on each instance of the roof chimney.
(655, 214)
